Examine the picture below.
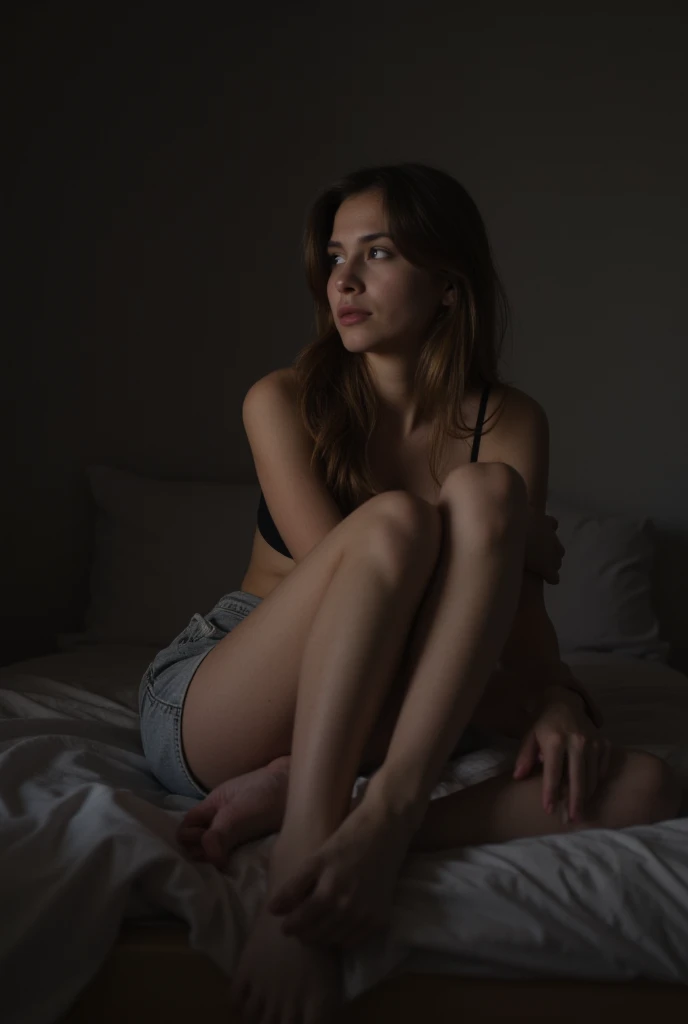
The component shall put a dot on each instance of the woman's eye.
(375, 248)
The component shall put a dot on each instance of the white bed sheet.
(87, 840)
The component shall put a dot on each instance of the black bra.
(266, 524)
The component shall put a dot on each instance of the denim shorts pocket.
(198, 629)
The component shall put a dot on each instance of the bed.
(104, 918)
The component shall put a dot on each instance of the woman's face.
(401, 300)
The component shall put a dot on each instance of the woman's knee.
(490, 498)
(402, 522)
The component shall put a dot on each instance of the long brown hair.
(436, 225)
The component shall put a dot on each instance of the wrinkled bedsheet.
(87, 839)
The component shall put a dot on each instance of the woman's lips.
(353, 318)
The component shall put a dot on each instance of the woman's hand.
(544, 550)
(564, 737)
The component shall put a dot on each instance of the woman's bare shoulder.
(511, 410)
(286, 375)
(283, 378)
(521, 439)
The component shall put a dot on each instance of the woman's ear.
(449, 294)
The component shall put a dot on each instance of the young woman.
(393, 603)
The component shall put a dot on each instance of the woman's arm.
(530, 665)
(531, 659)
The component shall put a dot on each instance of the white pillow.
(603, 602)
(163, 550)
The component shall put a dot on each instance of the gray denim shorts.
(166, 682)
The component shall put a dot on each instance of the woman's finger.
(190, 834)
(526, 756)
(297, 889)
(202, 814)
(312, 922)
(577, 780)
(552, 768)
(591, 775)
(592, 770)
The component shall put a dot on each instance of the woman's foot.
(235, 812)
(279, 978)
(343, 891)
(238, 811)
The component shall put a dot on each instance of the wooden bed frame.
(151, 973)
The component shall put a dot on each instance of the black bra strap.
(479, 424)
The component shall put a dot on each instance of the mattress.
(88, 841)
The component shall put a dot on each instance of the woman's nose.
(347, 279)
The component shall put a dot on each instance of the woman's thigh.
(220, 700)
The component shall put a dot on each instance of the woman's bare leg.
(464, 624)
(350, 660)
(360, 632)
(466, 615)
(638, 789)
(458, 634)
